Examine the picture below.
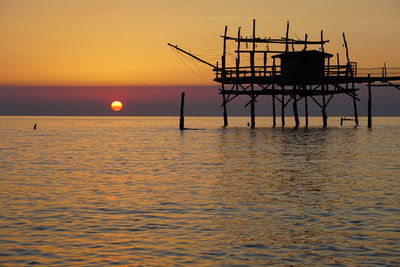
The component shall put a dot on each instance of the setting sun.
(116, 106)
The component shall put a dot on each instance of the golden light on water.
(116, 105)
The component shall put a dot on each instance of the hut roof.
(303, 53)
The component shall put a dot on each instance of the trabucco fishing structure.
(296, 73)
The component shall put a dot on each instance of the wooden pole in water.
(306, 106)
(295, 113)
(225, 114)
(223, 75)
(324, 117)
(253, 119)
(283, 109)
(369, 102)
(273, 106)
(182, 118)
(352, 76)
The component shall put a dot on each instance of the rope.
(184, 59)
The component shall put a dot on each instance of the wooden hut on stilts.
(300, 70)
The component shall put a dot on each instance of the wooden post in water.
(295, 113)
(324, 117)
(369, 102)
(253, 117)
(273, 107)
(283, 109)
(306, 106)
(182, 118)
(225, 114)
(223, 75)
(352, 76)
(252, 66)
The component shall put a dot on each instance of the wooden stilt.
(306, 110)
(253, 118)
(355, 107)
(182, 118)
(223, 74)
(283, 110)
(295, 113)
(225, 114)
(253, 74)
(352, 75)
(273, 107)
(324, 117)
(369, 102)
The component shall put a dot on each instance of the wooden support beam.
(306, 106)
(265, 64)
(223, 74)
(338, 64)
(287, 38)
(273, 107)
(328, 69)
(238, 55)
(322, 43)
(223, 58)
(384, 70)
(346, 47)
(289, 92)
(305, 44)
(274, 41)
(295, 112)
(252, 63)
(369, 104)
(283, 110)
(182, 118)
(355, 109)
(225, 113)
(324, 117)
(260, 51)
(252, 111)
(191, 55)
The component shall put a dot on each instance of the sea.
(137, 191)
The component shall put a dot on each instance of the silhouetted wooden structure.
(296, 73)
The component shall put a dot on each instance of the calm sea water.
(137, 191)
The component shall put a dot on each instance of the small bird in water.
(34, 127)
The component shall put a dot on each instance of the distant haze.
(165, 101)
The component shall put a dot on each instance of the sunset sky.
(99, 43)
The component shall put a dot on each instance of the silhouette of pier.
(298, 71)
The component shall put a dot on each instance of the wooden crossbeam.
(275, 41)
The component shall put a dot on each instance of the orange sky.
(123, 42)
